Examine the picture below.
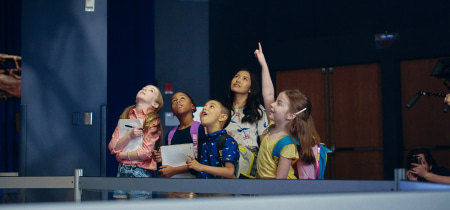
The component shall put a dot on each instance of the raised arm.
(268, 91)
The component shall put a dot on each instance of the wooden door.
(347, 113)
(356, 123)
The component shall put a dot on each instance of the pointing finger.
(192, 158)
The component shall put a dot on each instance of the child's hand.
(260, 56)
(193, 164)
(156, 155)
(136, 132)
(166, 171)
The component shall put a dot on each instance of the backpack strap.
(220, 144)
(171, 133)
(194, 135)
(322, 160)
(280, 145)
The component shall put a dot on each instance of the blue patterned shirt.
(210, 155)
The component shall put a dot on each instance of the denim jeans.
(133, 171)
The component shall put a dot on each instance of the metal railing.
(226, 186)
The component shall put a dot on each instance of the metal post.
(76, 182)
(400, 175)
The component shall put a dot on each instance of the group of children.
(240, 121)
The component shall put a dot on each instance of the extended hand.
(166, 171)
(193, 164)
(260, 56)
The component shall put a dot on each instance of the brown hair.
(152, 120)
(302, 126)
(225, 110)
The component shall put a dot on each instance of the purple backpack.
(193, 132)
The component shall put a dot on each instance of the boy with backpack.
(215, 161)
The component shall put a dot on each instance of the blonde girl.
(139, 163)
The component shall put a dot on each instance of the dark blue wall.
(64, 51)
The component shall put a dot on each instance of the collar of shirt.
(216, 134)
(137, 114)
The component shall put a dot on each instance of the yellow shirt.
(266, 166)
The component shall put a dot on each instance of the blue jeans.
(133, 171)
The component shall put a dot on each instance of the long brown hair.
(302, 126)
(252, 110)
(152, 120)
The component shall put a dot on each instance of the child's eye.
(182, 98)
(246, 79)
(151, 91)
(174, 101)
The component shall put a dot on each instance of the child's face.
(148, 94)
(181, 104)
(279, 109)
(241, 82)
(211, 113)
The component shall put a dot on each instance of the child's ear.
(291, 116)
(223, 117)
(155, 106)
